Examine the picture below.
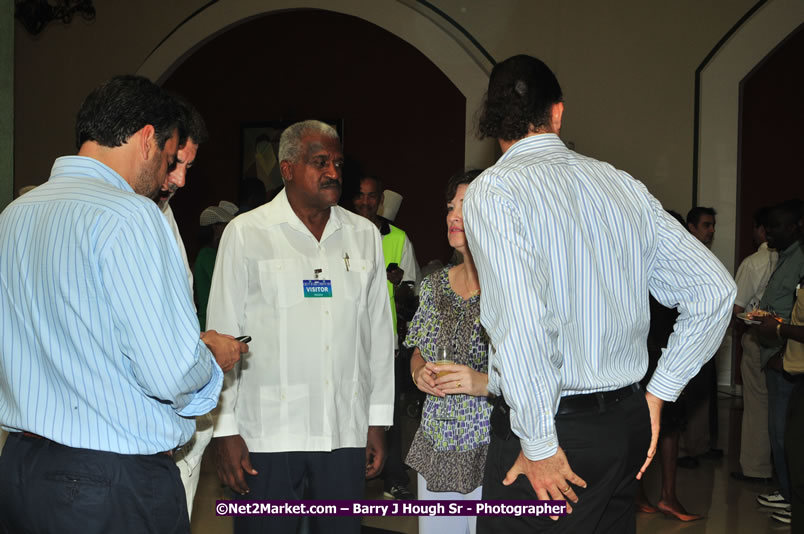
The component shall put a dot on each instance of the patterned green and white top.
(450, 454)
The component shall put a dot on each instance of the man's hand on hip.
(375, 451)
(552, 478)
(655, 408)
(231, 461)
(225, 348)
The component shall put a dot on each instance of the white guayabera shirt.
(320, 369)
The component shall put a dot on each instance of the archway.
(459, 61)
(403, 118)
(718, 130)
(720, 105)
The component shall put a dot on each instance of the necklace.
(474, 292)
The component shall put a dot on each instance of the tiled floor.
(729, 506)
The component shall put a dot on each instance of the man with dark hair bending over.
(102, 370)
(567, 249)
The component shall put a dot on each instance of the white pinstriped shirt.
(567, 249)
(99, 344)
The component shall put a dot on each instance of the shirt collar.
(534, 142)
(73, 166)
(283, 214)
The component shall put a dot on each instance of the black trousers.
(605, 449)
(793, 439)
(49, 488)
(289, 476)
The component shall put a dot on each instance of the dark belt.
(587, 403)
(37, 436)
(594, 402)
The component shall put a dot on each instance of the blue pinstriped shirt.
(99, 342)
(567, 249)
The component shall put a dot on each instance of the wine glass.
(444, 405)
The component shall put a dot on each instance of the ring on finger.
(565, 490)
(458, 385)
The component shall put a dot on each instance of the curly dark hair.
(123, 105)
(458, 179)
(521, 94)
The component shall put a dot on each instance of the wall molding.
(439, 40)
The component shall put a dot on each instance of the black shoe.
(713, 454)
(400, 493)
(736, 475)
(688, 462)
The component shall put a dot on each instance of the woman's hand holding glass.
(459, 379)
(424, 377)
(455, 378)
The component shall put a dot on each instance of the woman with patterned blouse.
(449, 449)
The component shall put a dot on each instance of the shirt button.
(326, 312)
(326, 348)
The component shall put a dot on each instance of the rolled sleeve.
(687, 275)
(205, 400)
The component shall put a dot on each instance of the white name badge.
(317, 289)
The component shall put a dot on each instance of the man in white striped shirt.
(225, 348)
(567, 249)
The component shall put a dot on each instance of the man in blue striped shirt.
(567, 249)
(101, 365)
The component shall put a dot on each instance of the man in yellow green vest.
(401, 267)
(400, 259)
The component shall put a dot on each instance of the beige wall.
(720, 108)
(627, 69)
(56, 69)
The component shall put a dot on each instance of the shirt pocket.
(281, 282)
(286, 408)
(355, 280)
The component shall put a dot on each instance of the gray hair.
(290, 142)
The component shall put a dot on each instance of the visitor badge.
(317, 288)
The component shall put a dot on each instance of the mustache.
(330, 183)
(164, 193)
